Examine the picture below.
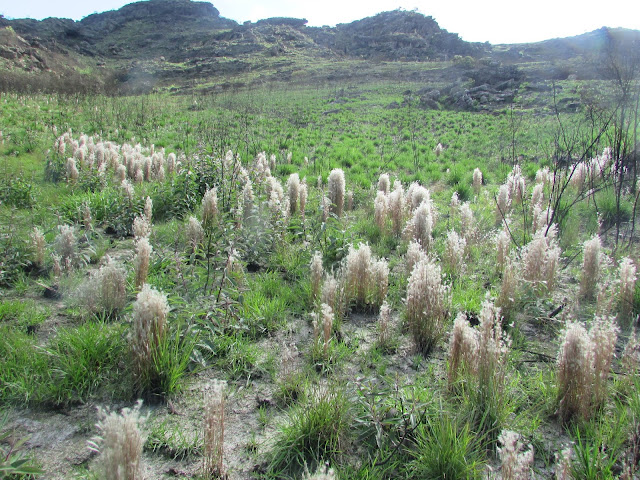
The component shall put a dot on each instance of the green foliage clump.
(608, 210)
(17, 192)
(445, 449)
(316, 432)
(77, 364)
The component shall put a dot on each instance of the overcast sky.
(495, 21)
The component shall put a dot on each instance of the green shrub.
(24, 369)
(172, 360)
(55, 169)
(176, 198)
(22, 313)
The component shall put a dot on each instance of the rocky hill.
(194, 41)
(396, 35)
(174, 27)
(179, 42)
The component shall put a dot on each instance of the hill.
(188, 40)
(181, 44)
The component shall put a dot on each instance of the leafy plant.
(387, 418)
(23, 369)
(13, 463)
(594, 459)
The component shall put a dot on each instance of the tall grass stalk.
(427, 305)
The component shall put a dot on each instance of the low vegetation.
(327, 282)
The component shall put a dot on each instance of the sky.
(495, 21)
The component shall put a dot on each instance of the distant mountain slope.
(590, 43)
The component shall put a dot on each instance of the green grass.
(87, 360)
(234, 324)
(173, 441)
(25, 370)
(315, 432)
(22, 314)
(78, 363)
(445, 449)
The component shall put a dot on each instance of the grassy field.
(294, 277)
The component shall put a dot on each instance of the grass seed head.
(120, 443)
(591, 265)
(141, 227)
(336, 191)
(415, 253)
(397, 207)
(322, 473)
(454, 256)
(142, 260)
(106, 290)
(515, 463)
(38, 244)
(420, 226)
(248, 199)
(583, 365)
(477, 180)
(627, 276)
(210, 206)
(463, 349)
(427, 305)
(171, 163)
(380, 209)
(384, 324)
(467, 222)
(148, 209)
(195, 233)
(537, 195)
(316, 275)
(212, 461)
(150, 311)
(293, 190)
(503, 202)
(72, 170)
(304, 193)
(327, 325)
(384, 183)
(121, 173)
(66, 244)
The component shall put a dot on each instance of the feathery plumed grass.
(388, 292)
